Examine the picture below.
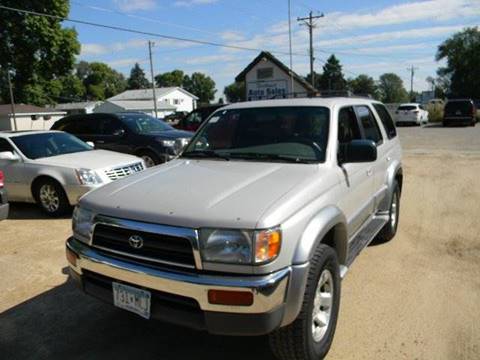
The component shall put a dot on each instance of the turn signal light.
(71, 257)
(226, 297)
(267, 245)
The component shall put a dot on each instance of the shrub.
(435, 112)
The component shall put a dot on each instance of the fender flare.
(393, 172)
(330, 217)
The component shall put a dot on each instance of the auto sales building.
(266, 77)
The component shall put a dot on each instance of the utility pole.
(150, 44)
(290, 45)
(12, 100)
(412, 74)
(308, 21)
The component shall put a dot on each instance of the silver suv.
(251, 229)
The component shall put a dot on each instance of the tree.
(102, 82)
(36, 49)
(235, 92)
(462, 53)
(318, 78)
(332, 77)
(172, 78)
(363, 85)
(72, 89)
(200, 85)
(137, 79)
(391, 89)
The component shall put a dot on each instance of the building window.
(265, 73)
(176, 101)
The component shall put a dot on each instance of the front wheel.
(51, 197)
(390, 229)
(149, 158)
(310, 336)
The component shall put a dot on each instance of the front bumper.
(75, 192)
(182, 297)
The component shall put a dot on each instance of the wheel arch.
(45, 176)
(329, 226)
(394, 173)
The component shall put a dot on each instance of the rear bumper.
(458, 120)
(181, 297)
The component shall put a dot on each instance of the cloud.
(418, 33)
(127, 62)
(202, 60)
(134, 5)
(436, 10)
(188, 3)
(232, 36)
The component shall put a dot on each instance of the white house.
(266, 77)
(169, 100)
(85, 107)
(28, 117)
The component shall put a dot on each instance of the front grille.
(120, 172)
(157, 248)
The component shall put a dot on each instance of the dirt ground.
(416, 297)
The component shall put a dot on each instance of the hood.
(94, 159)
(200, 193)
(171, 134)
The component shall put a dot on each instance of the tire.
(51, 198)
(390, 229)
(150, 158)
(297, 341)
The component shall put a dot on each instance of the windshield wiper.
(276, 157)
(205, 154)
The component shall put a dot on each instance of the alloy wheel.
(322, 305)
(49, 198)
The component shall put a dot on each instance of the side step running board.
(364, 237)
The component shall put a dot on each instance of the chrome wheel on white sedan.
(49, 198)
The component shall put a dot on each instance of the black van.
(460, 112)
(128, 132)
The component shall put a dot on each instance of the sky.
(369, 36)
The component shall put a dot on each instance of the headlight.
(168, 143)
(82, 224)
(240, 246)
(88, 177)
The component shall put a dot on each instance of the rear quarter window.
(386, 120)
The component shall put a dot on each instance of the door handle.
(369, 172)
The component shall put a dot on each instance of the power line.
(158, 35)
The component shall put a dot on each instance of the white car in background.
(411, 114)
(54, 169)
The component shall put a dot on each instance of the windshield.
(289, 134)
(36, 146)
(144, 124)
(407, 107)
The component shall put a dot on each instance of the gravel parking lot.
(416, 297)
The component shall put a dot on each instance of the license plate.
(132, 299)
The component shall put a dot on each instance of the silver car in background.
(54, 169)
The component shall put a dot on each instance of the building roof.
(77, 105)
(282, 66)
(139, 105)
(147, 94)
(6, 109)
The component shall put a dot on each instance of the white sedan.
(413, 114)
(54, 169)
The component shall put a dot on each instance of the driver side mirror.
(357, 151)
(9, 156)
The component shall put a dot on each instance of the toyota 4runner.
(250, 230)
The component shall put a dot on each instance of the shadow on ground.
(64, 323)
(26, 211)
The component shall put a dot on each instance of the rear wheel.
(51, 197)
(310, 336)
(390, 229)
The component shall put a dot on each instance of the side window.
(87, 126)
(386, 119)
(348, 129)
(110, 126)
(369, 124)
(5, 146)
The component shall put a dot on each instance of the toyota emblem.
(136, 241)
